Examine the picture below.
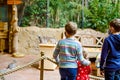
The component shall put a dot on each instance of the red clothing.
(83, 72)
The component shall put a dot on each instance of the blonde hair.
(85, 54)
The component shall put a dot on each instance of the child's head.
(85, 54)
(114, 26)
(71, 28)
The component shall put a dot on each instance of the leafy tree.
(94, 14)
(101, 13)
(35, 13)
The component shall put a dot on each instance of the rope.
(51, 60)
(91, 76)
(32, 62)
(21, 67)
(95, 77)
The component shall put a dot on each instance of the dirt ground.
(27, 73)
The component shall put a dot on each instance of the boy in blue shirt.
(67, 52)
(110, 56)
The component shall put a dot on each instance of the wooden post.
(14, 29)
(42, 67)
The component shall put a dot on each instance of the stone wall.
(29, 41)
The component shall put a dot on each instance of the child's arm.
(56, 52)
(81, 57)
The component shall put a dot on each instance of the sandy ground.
(28, 73)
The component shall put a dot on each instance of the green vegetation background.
(94, 14)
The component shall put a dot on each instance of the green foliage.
(96, 15)
(102, 12)
(35, 13)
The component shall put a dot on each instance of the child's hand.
(86, 62)
(102, 72)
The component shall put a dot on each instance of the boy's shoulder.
(78, 42)
(109, 36)
(62, 40)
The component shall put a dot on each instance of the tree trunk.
(21, 9)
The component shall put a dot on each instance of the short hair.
(71, 28)
(115, 23)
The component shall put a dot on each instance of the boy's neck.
(116, 33)
(70, 36)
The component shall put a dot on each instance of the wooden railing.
(89, 40)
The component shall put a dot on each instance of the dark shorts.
(68, 73)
